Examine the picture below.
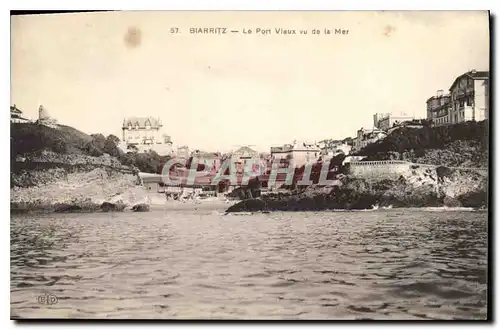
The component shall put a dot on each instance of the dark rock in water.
(112, 207)
(476, 199)
(63, 207)
(248, 205)
(141, 208)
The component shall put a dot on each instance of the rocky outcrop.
(142, 207)
(63, 184)
(420, 187)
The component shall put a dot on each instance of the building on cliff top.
(439, 108)
(16, 115)
(470, 97)
(366, 136)
(468, 100)
(386, 121)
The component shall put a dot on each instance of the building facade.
(146, 134)
(378, 117)
(212, 160)
(182, 152)
(281, 152)
(439, 108)
(16, 115)
(366, 136)
(393, 119)
(241, 156)
(335, 149)
(300, 153)
(469, 97)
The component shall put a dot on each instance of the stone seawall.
(379, 170)
(393, 169)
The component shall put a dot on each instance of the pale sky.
(215, 92)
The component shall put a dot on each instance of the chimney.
(439, 93)
(473, 71)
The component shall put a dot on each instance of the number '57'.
(174, 30)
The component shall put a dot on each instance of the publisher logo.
(47, 299)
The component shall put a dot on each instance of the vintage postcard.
(257, 165)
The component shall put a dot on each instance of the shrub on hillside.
(33, 138)
(418, 139)
(28, 138)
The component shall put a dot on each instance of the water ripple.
(394, 264)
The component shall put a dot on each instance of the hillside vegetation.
(464, 144)
(32, 139)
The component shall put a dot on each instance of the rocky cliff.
(50, 181)
(419, 187)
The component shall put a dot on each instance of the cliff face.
(56, 182)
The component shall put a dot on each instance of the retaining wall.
(393, 169)
(379, 170)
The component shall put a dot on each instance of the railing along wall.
(379, 162)
(394, 162)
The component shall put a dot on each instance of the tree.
(114, 139)
(92, 148)
(99, 139)
(111, 149)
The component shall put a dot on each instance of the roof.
(14, 109)
(205, 154)
(16, 116)
(370, 130)
(438, 97)
(473, 74)
(142, 122)
(284, 148)
(302, 146)
(246, 152)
